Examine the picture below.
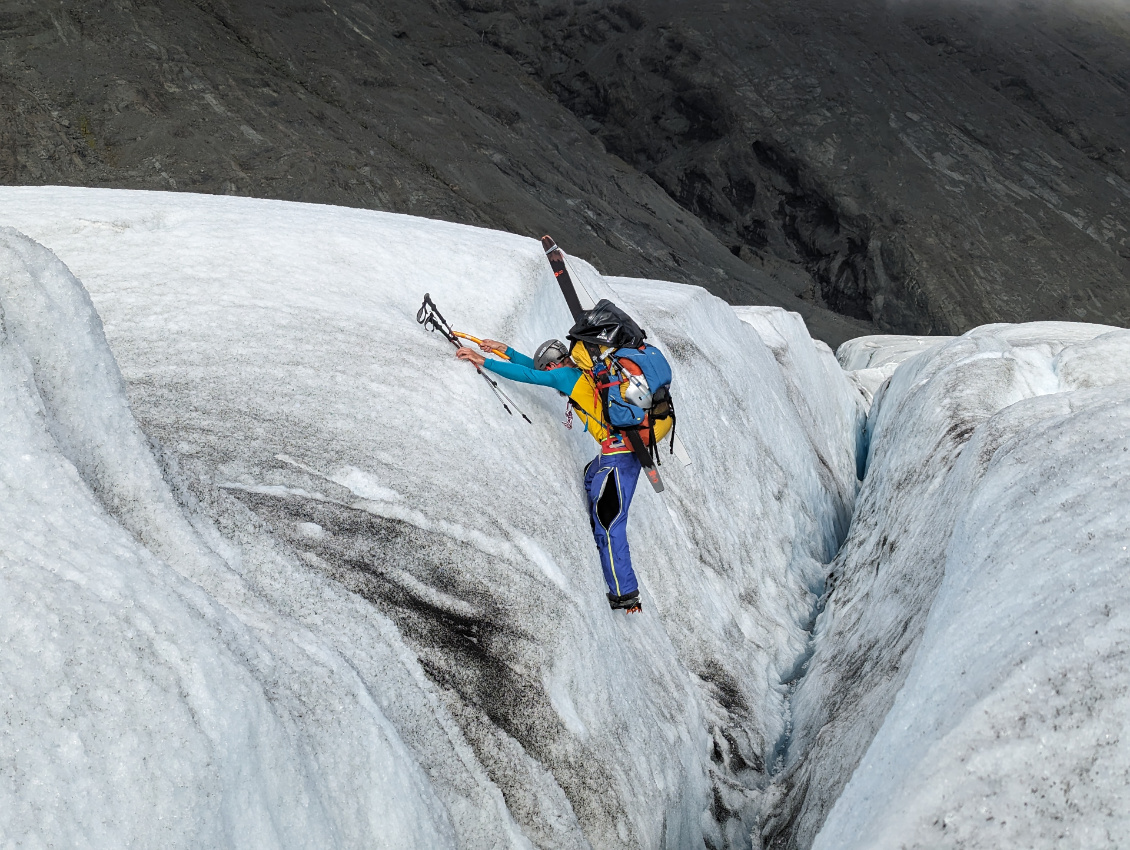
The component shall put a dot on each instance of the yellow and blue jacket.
(575, 384)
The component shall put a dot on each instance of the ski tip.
(548, 245)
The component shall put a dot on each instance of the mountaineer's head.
(551, 354)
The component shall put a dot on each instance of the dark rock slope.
(899, 168)
(928, 168)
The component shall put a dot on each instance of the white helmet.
(637, 391)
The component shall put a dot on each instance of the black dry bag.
(608, 325)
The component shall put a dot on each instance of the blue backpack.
(652, 375)
(634, 378)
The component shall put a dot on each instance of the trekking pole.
(430, 317)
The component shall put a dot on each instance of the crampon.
(629, 602)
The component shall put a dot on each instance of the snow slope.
(980, 584)
(372, 610)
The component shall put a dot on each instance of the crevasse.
(292, 577)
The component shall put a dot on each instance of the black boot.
(629, 602)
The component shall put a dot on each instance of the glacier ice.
(946, 435)
(870, 360)
(355, 491)
(292, 577)
(149, 698)
(1016, 703)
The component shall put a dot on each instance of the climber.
(610, 477)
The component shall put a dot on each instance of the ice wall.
(870, 360)
(983, 521)
(142, 707)
(413, 568)
(1009, 729)
(831, 414)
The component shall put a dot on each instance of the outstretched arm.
(519, 358)
(513, 355)
(562, 379)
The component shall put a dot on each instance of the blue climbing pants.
(610, 483)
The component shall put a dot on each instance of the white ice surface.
(987, 516)
(875, 352)
(1010, 729)
(829, 410)
(152, 701)
(347, 500)
(869, 361)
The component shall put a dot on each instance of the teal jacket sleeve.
(519, 358)
(562, 379)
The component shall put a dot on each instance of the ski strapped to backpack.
(430, 317)
(556, 259)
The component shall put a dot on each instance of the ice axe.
(479, 342)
